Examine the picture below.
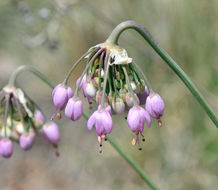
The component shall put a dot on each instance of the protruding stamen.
(134, 140)
(58, 115)
(143, 138)
(159, 123)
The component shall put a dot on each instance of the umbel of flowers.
(116, 84)
(21, 120)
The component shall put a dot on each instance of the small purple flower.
(38, 116)
(103, 124)
(50, 133)
(102, 121)
(137, 116)
(155, 105)
(61, 94)
(143, 96)
(27, 140)
(74, 109)
(6, 148)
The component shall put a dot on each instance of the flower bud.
(50, 133)
(90, 89)
(19, 128)
(122, 94)
(27, 140)
(155, 105)
(130, 99)
(118, 105)
(82, 82)
(74, 109)
(39, 118)
(6, 148)
(143, 96)
(60, 95)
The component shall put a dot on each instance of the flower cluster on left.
(20, 121)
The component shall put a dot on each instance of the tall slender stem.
(114, 37)
(74, 66)
(129, 86)
(33, 70)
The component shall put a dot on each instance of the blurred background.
(53, 34)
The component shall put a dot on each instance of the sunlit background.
(53, 34)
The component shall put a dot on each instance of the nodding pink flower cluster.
(112, 81)
(20, 121)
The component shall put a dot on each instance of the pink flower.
(74, 109)
(61, 95)
(155, 105)
(6, 148)
(27, 140)
(50, 133)
(102, 121)
(137, 117)
(103, 124)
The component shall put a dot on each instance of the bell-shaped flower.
(155, 105)
(27, 140)
(6, 148)
(137, 117)
(50, 133)
(74, 109)
(61, 94)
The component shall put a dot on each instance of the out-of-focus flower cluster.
(21, 120)
(112, 80)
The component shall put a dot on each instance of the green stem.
(74, 66)
(129, 86)
(135, 166)
(33, 70)
(114, 36)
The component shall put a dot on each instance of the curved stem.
(33, 70)
(114, 36)
(74, 66)
(131, 162)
